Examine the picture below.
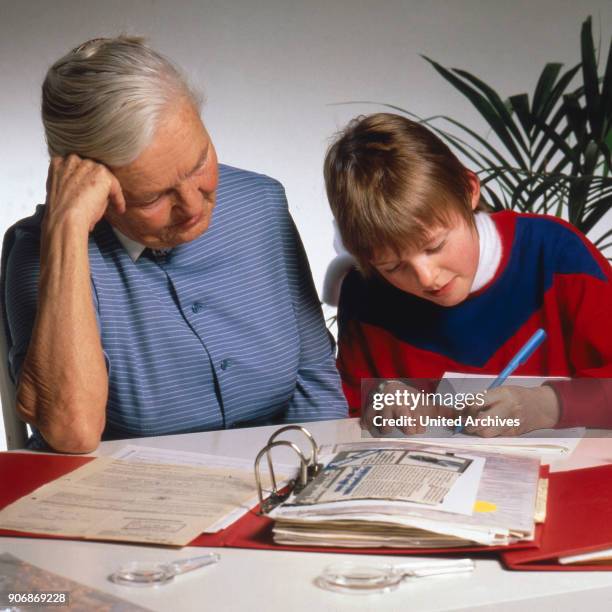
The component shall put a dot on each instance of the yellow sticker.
(484, 506)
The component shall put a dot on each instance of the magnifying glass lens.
(143, 574)
(353, 578)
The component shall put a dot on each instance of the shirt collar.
(490, 251)
(134, 249)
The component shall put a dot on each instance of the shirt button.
(197, 307)
(224, 364)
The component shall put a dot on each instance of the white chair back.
(337, 269)
(15, 429)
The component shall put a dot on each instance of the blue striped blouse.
(221, 332)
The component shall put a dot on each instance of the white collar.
(490, 248)
(134, 249)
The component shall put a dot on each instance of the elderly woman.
(156, 291)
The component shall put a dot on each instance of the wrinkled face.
(170, 188)
(442, 271)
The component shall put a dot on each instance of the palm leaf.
(520, 105)
(604, 237)
(499, 107)
(576, 117)
(606, 96)
(596, 214)
(557, 143)
(544, 148)
(589, 75)
(486, 110)
(492, 197)
(544, 87)
(556, 93)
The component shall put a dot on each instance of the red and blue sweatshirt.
(550, 276)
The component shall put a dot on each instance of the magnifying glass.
(357, 578)
(150, 573)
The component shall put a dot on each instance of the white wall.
(273, 70)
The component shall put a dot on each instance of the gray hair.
(103, 100)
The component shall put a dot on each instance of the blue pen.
(525, 352)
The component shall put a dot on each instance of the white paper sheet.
(541, 442)
(149, 454)
(128, 501)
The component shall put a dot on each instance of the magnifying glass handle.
(437, 568)
(182, 566)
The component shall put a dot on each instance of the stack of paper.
(413, 496)
(148, 495)
(545, 443)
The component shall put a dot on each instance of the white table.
(258, 580)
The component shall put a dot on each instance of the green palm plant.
(555, 152)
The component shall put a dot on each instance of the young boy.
(444, 286)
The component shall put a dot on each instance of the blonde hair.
(103, 100)
(389, 182)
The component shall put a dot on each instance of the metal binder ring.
(275, 498)
(314, 467)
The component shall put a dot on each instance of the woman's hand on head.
(79, 191)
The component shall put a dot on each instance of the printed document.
(150, 454)
(399, 475)
(111, 499)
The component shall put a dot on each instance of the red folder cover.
(578, 520)
(22, 473)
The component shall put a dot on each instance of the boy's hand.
(535, 408)
(396, 411)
